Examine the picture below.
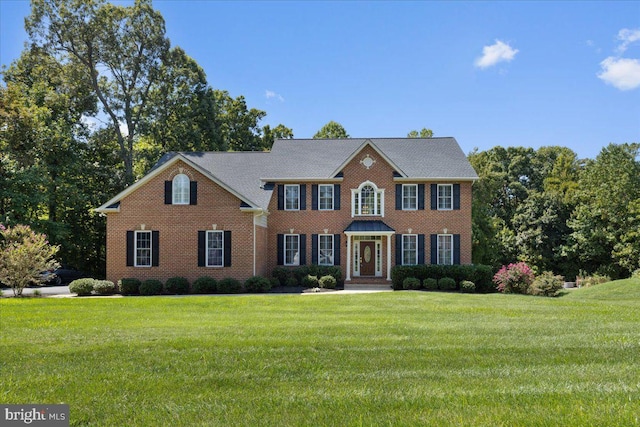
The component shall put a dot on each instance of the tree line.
(99, 94)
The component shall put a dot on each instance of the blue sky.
(487, 73)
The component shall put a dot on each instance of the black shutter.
(398, 197)
(314, 197)
(227, 248)
(193, 192)
(456, 196)
(434, 197)
(130, 248)
(280, 197)
(314, 249)
(398, 249)
(155, 248)
(168, 192)
(303, 197)
(336, 197)
(280, 249)
(434, 249)
(202, 248)
(420, 249)
(456, 249)
(421, 197)
(303, 249)
(336, 249)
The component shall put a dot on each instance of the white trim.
(438, 248)
(284, 250)
(333, 189)
(135, 248)
(174, 192)
(285, 196)
(333, 249)
(206, 249)
(402, 247)
(435, 179)
(416, 197)
(438, 197)
(356, 202)
(377, 150)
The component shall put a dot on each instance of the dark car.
(67, 274)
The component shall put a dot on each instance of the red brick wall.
(178, 226)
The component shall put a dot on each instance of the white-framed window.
(215, 249)
(143, 249)
(445, 249)
(445, 197)
(410, 197)
(180, 190)
(409, 249)
(367, 200)
(291, 197)
(291, 249)
(325, 197)
(325, 249)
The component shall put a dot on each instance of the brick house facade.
(364, 205)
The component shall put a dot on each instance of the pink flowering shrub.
(514, 278)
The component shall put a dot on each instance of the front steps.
(368, 284)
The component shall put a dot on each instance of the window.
(143, 249)
(292, 197)
(368, 200)
(291, 249)
(409, 249)
(181, 189)
(325, 255)
(215, 249)
(410, 197)
(445, 197)
(445, 249)
(325, 197)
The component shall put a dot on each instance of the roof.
(245, 174)
(369, 226)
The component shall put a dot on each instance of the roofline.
(315, 179)
(377, 150)
(155, 172)
(439, 179)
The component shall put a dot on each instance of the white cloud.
(271, 94)
(498, 52)
(622, 73)
(627, 36)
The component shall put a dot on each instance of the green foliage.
(281, 274)
(411, 283)
(424, 133)
(327, 282)
(82, 287)
(332, 130)
(514, 278)
(23, 255)
(593, 280)
(291, 281)
(546, 285)
(204, 285)
(481, 275)
(294, 276)
(129, 286)
(636, 274)
(310, 281)
(257, 284)
(151, 287)
(229, 285)
(447, 284)
(177, 285)
(430, 284)
(104, 287)
(467, 287)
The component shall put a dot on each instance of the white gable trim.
(377, 150)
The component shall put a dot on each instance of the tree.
(424, 133)
(24, 254)
(278, 132)
(332, 130)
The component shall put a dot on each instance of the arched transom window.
(181, 189)
(367, 200)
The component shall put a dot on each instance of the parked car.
(67, 274)
(49, 278)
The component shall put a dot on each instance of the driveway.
(45, 290)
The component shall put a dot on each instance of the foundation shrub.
(177, 286)
(546, 285)
(481, 275)
(104, 287)
(281, 274)
(310, 281)
(257, 284)
(327, 282)
(292, 282)
(411, 283)
(447, 284)
(151, 287)
(82, 287)
(430, 284)
(229, 285)
(467, 287)
(129, 286)
(204, 285)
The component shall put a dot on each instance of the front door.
(367, 258)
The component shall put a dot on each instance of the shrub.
(596, 279)
(546, 285)
(291, 281)
(447, 284)
(177, 285)
(229, 285)
(257, 284)
(204, 285)
(82, 287)
(310, 281)
(411, 283)
(282, 274)
(129, 286)
(514, 278)
(327, 282)
(274, 282)
(104, 287)
(151, 287)
(430, 284)
(481, 275)
(636, 274)
(467, 287)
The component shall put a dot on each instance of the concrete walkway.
(46, 291)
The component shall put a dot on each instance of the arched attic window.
(181, 189)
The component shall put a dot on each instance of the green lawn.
(393, 359)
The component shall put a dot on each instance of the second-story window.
(180, 190)
(292, 197)
(410, 197)
(445, 197)
(325, 197)
(368, 200)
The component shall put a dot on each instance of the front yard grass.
(403, 358)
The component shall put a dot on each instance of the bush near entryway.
(481, 275)
(129, 286)
(257, 284)
(82, 287)
(411, 283)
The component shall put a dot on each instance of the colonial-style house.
(364, 205)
